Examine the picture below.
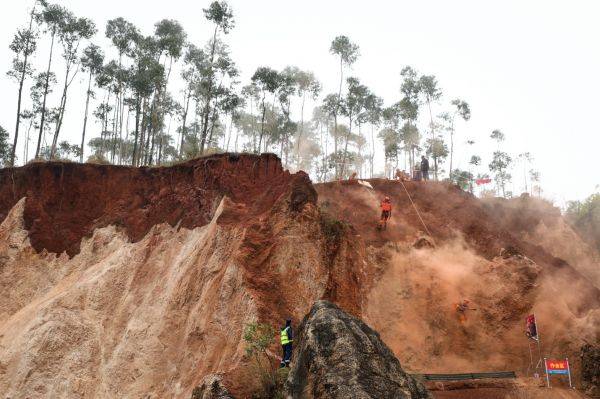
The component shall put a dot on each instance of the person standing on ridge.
(424, 168)
(386, 212)
(286, 344)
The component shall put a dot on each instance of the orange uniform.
(386, 212)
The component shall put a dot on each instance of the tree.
(462, 109)
(71, 32)
(498, 136)
(145, 75)
(373, 115)
(91, 61)
(534, 176)
(170, 38)
(408, 110)
(6, 154)
(411, 137)
(307, 84)
(123, 35)
(286, 89)
(352, 106)
(438, 150)
(222, 16)
(428, 88)
(525, 159)
(391, 145)
(23, 45)
(267, 80)
(53, 17)
(499, 165)
(348, 53)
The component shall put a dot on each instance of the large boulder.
(339, 356)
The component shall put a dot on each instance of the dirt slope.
(412, 301)
(125, 282)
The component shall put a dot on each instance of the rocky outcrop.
(339, 356)
(211, 388)
(590, 369)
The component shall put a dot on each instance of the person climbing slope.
(286, 344)
(386, 212)
(461, 310)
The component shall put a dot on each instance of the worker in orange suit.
(386, 212)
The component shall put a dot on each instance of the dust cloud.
(413, 306)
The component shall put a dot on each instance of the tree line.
(144, 122)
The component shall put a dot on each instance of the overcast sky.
(528, 68)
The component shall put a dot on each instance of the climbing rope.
(416, 210)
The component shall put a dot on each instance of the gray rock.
(339, 356)
(211, 388)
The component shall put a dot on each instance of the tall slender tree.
(431, 93)
(307, 85)
(23, 45)
(52, 17)
(91, 61)
(72, 31)
(462, 109)
(348, 53)
(220, 13)
(267, 80)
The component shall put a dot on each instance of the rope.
(416, 210)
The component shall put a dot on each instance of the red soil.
(447, 211)
(67, 201)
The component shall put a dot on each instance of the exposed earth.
(139, 282)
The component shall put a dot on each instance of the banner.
(479, 182)
(557, 366)
(531, 327)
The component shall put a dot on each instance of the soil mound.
(339, 356)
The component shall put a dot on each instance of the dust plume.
(413, 307)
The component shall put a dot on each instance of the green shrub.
(259, 338)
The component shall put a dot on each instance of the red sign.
(479, 182)
(557, 366)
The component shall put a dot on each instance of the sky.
(529, 68)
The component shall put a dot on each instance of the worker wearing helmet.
(386, 212)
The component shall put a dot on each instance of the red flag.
(531, 331)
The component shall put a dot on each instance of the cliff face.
(137, 282)
(161, 271)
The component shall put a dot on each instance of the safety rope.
(416, 210)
